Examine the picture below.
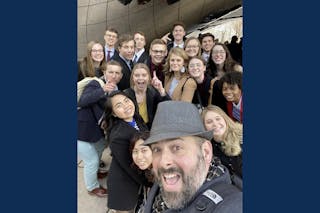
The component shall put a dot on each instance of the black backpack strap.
(185, 83)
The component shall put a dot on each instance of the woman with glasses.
(221, 62)
(192, 47)
(90, 65)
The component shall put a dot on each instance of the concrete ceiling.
(154, 18)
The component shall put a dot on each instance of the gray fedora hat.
(175, 119)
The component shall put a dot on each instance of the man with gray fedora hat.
(187, 176)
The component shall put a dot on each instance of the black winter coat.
(231, 203)
(91, 105)
(123, 181)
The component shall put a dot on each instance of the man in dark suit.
(141, 55)
(126, 53)
(176, 37)
(110, 38)
(207, 43)
(91, 138)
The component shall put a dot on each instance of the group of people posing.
(172, 118)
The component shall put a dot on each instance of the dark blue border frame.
(280, 124)
(38, 114)
(38, 110)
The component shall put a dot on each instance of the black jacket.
(91, 105)
(231, 203)
(143, 58)
(126, 71)
(153, 99)
(158, 69)
(233, 163)
(123, 181)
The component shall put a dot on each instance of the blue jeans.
(90, 154)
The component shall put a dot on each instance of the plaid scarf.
(215, 170)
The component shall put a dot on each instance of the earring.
(183, 69)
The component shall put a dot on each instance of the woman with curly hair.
(220, 62)
(227, 138)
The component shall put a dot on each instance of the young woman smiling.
(178, 83)
(227, 138)
(147, 93)
(122, 122)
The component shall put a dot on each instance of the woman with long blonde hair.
(227, 138)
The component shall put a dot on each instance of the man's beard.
(190, 184)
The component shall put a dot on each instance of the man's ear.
(207, 151)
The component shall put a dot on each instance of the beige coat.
(185, 89)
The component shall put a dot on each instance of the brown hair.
(86, 65)
(124, 38)
(111, 29)
(112, 62)
(178, 23)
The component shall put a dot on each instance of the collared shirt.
(178, 45)
(109, 49)
(127, 61)
(206, 56)
(137, 55)
(236, 110)
(173, 85)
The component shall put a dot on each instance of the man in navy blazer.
(110, 38)
(126, 52)
(91, 139)
(141, 55)
(177, 36)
